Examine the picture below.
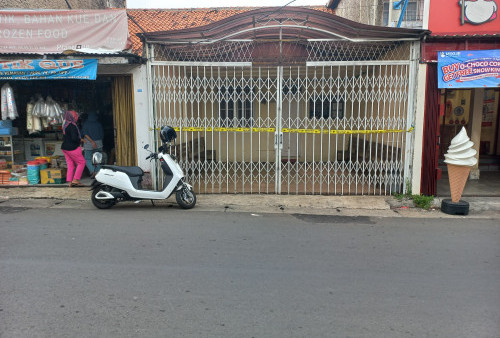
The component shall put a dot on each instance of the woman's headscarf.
(70, 117)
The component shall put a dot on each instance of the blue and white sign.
(40, 69)
(469, 69)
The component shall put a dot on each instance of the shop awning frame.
(287, 23)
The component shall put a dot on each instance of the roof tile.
(154, 20)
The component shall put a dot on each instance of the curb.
(377, 206)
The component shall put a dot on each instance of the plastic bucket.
(43, 164)
(33, 172)
(46, 158)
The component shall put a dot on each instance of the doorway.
(458, 113)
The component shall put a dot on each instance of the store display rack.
(7, 150)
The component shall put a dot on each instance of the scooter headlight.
(96, 158)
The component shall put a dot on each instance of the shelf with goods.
(7, 151)
(10, 172)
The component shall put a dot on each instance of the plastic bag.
(39, 107)
(37, 124)
(8, 103)
(59, 111)
(4, 103)
(29, 116)
(45, 110)
(51, 110)
(11, 104)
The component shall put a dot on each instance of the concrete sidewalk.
(379, 206)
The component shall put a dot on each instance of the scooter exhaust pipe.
(104, 195)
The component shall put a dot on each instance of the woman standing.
(71, 149)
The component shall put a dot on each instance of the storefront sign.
(464, 17)
(56, 31)
(41, 69)
(469, 69)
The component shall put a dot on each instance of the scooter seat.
(130, 171)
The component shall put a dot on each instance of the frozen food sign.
(469, 69)
(56, 31)
(82, 69)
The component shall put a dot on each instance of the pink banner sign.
(56, 31)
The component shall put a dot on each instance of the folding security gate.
(338, 126)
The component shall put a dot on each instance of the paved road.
(164, 272)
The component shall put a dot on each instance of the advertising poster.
(42, 69)
(469, 69)
(56, 31)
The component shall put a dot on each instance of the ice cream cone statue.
(460, 158)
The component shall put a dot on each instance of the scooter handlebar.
(152, 156)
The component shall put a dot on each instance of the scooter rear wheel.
(186, 198)
(101, 204)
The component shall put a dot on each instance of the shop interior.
(32, 141)
(457, 113)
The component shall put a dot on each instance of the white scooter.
(115, 184)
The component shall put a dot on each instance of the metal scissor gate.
(293, 116)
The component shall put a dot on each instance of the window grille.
(326, 109)
(235, 107)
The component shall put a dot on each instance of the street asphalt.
(143, 271)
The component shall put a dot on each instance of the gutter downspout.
(403, 11)
(333, 4)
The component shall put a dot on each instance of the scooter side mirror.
(146, 146)
(97, 158)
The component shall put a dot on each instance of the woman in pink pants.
(71, 149)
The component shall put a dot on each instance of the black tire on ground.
(101, 204)
(186, 198)
(452, 208)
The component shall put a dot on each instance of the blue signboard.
(469, 69)
(40, 69)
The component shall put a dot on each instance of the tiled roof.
(154, 20)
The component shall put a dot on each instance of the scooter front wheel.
(186, 198)
(100, 203)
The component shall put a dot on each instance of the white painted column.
(141, 107)
(425, 21)
(389, 16)
(476, 119)
(419, 129)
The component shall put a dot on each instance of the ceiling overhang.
(283, 23)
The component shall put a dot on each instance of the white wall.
(141, 109)
(418, 140)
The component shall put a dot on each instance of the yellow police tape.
(289, 130)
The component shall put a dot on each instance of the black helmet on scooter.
(167, 134)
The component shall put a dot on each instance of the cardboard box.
(52, 176)
(55, 161)
(23, 180)
(5, 177)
